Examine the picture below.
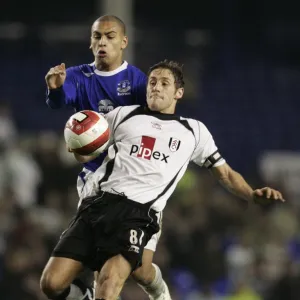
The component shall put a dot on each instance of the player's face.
(107, 44)
(162, 94)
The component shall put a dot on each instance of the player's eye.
(97, 37)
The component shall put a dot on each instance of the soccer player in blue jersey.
(101, 86)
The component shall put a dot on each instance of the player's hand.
(266, 196)
(56, 76)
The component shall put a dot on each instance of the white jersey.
(149, 154)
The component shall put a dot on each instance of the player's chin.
(154, 106)
(103, 60)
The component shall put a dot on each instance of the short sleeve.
(206, 152)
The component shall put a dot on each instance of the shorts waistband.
(107, 196)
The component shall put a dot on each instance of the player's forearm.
(56, 98)
(236, 184)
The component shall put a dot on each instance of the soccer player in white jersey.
(150, 149)
(107, 83)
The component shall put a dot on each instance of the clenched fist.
(56, 77)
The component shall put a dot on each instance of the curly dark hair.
(175, 67)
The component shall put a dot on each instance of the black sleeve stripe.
(109, 168)
(199, 135)
(186, 124)
(115, 120)
(212, 159)
(137, 111)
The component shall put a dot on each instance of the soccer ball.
(87, 133)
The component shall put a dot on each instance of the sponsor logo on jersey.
(124, 88)
(145, 150)
(105, 106)
(156, 125)
(174, 144)
(87, 74)
(135, 249)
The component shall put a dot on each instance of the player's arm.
(61, 86)
(233, 181)
(207, 155)
(237, 185)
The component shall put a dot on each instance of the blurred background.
(242, 69)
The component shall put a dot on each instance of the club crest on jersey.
(174, 144)
(105, 106)
(124, 88)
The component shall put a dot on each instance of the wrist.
(250, 196)
(51, 89)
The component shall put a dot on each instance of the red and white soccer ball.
(87, 133)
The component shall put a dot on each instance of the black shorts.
(105, 226)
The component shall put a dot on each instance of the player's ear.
(124, 42)
(179, 93)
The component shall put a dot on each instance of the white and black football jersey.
(149, 153)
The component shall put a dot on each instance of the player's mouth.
(101, 53)
(156, 96)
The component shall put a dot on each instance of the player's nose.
(156, 88)
(102, 41)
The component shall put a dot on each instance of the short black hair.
(113, 18)
(175, 67)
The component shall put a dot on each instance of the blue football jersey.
(86, 87)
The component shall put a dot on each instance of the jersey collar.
(160, 115)
(111, 73)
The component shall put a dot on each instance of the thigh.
(120, 226)
(133, 241)
(76, 242)
(61, 271)
(147, 258)
(145, 273)
(112, 277)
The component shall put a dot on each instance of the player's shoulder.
(85, 70)
(126, 110)
(198, 128)
(195, 124)
(135, 70)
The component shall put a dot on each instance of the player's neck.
(108, 68)
(168, 111)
